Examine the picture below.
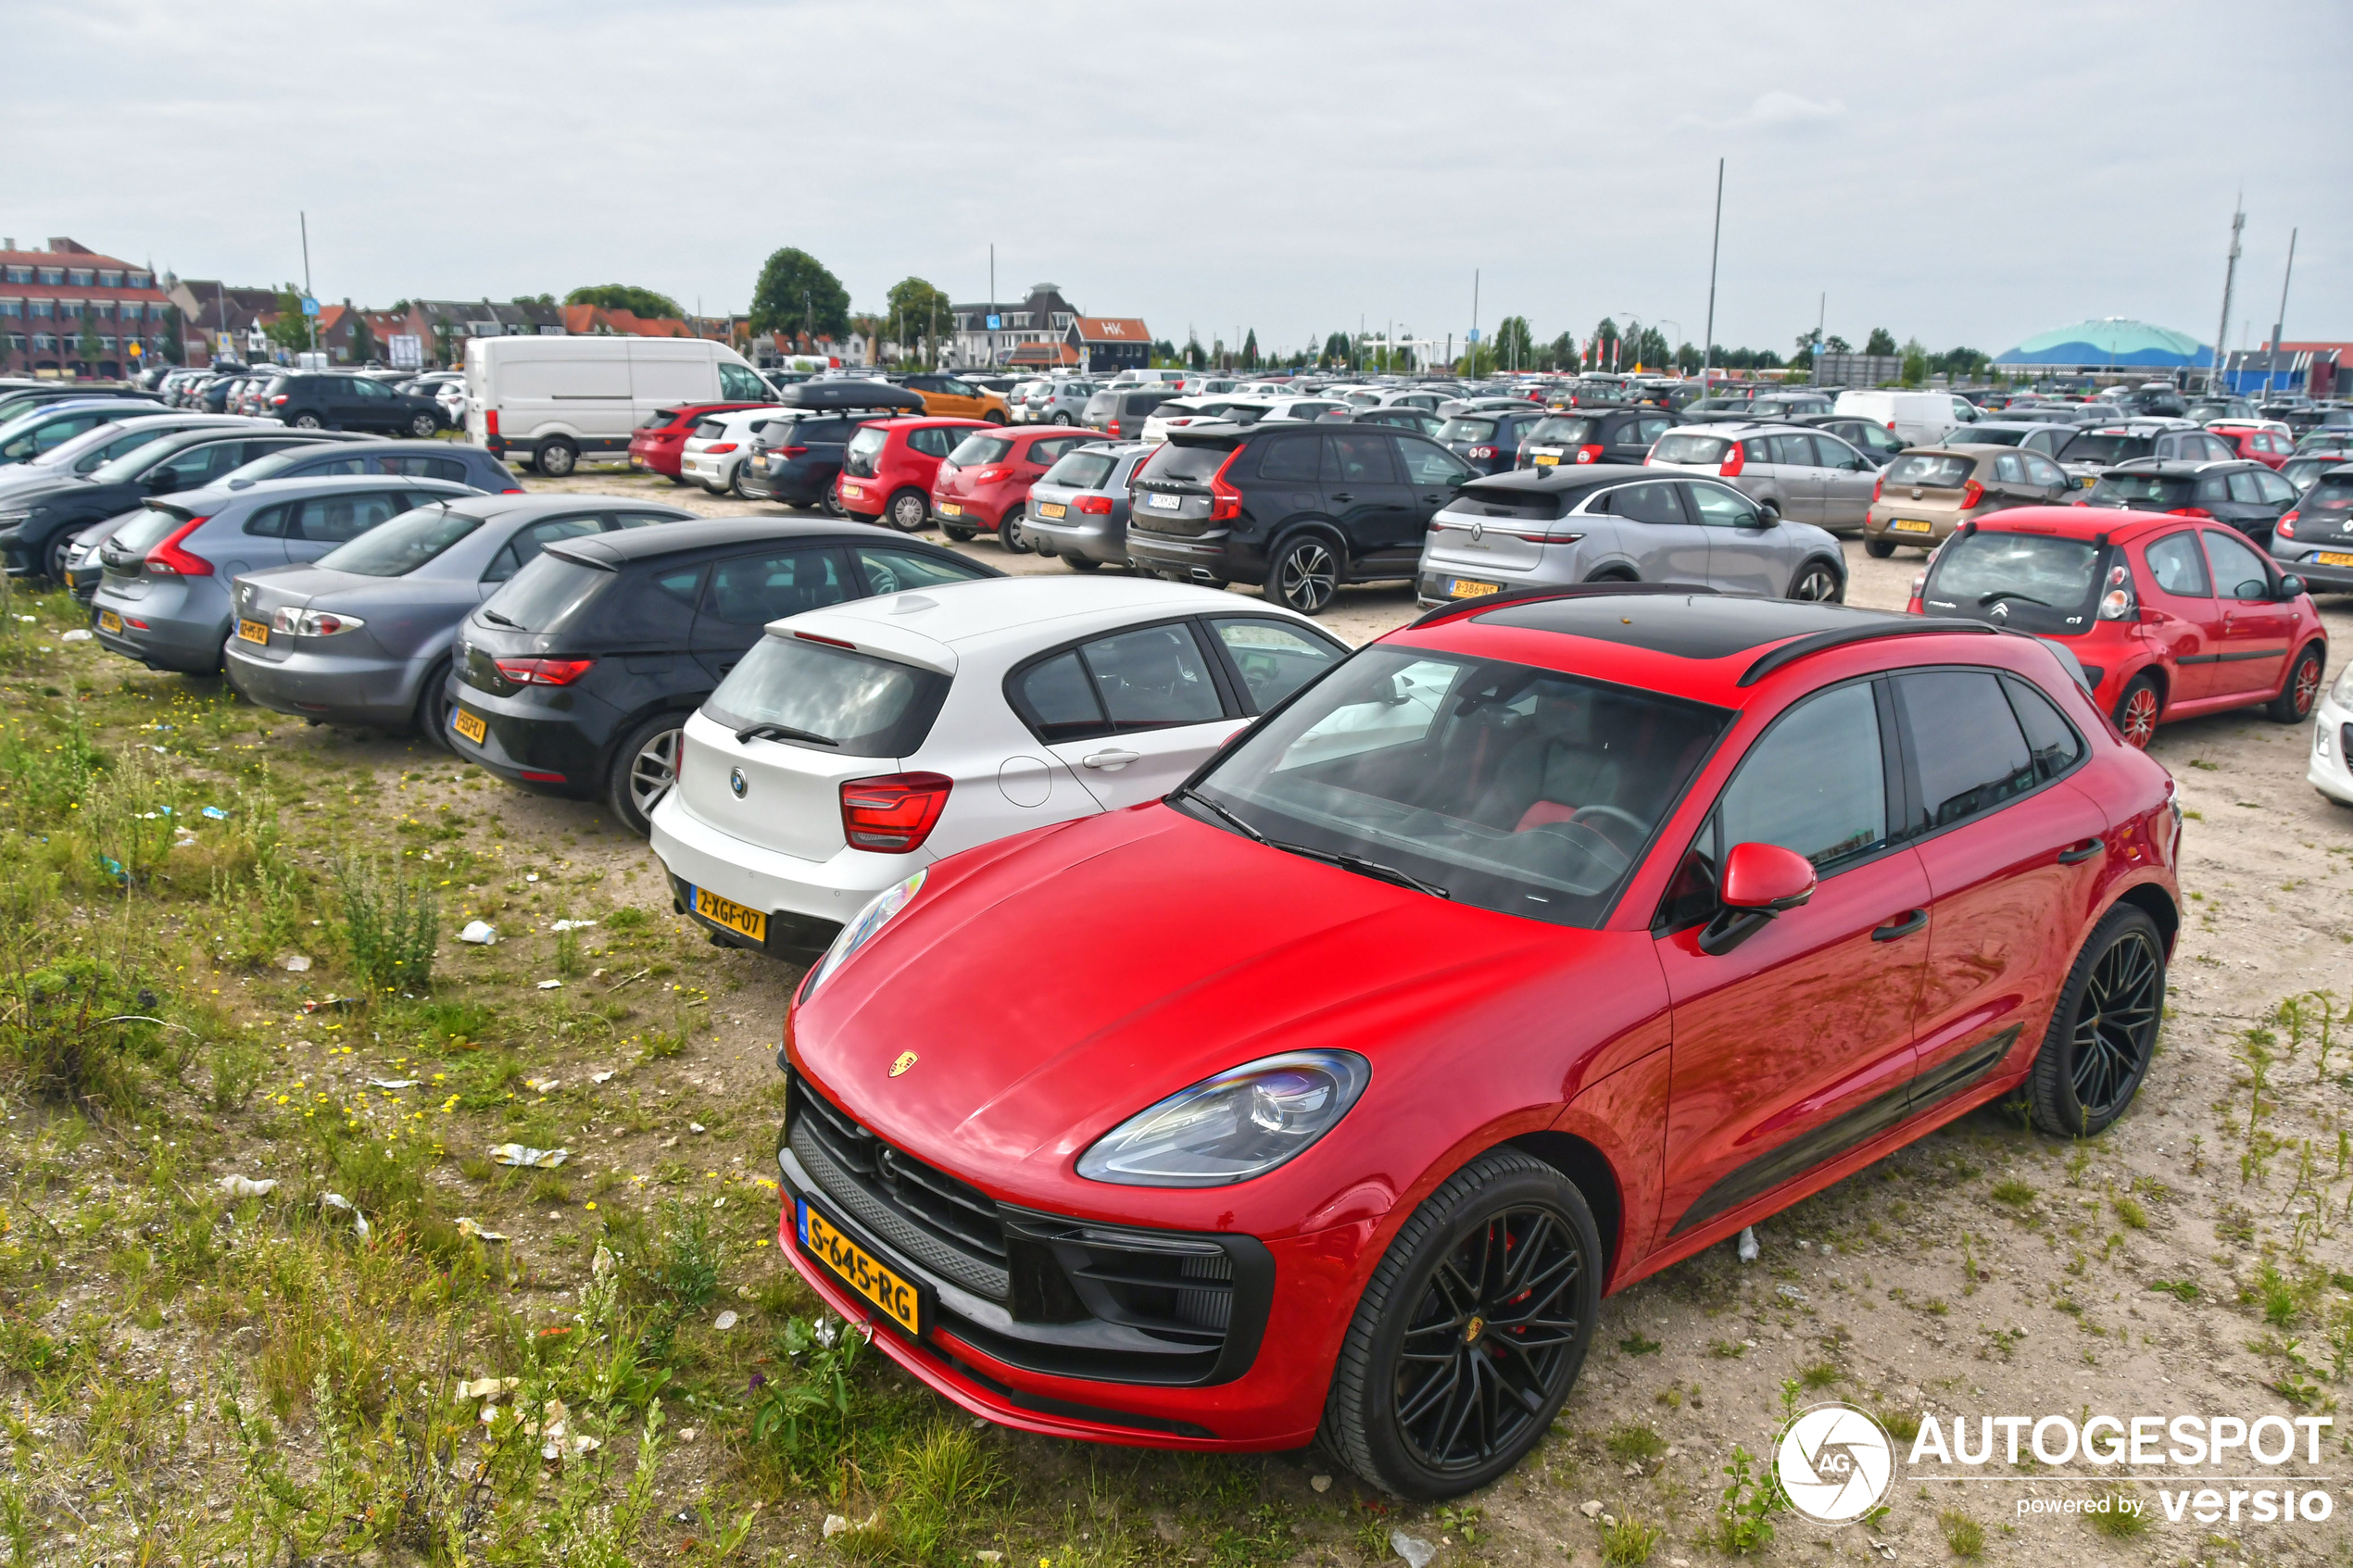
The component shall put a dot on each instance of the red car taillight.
(1225, 501)
(895, 812)
(543, 671)
(1877, 485)
(1483, 451)
(1972, 494)
(2190, 511)
(490, 421)
(1114, 427)
(279, 401)
(1589, 453)
(2285, 527)
(792, 451)
(983, 475)
(172, 561)
(723, 447)
(1093, 506)
(1734, 461)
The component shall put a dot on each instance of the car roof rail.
(1558, 591)
(1839, 637)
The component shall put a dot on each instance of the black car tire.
(1304, 575)
(993, 417)
(304, 421)
(1083, 563)
(962, 534)
(2141, 705)
(1010, 537)
(556, 457)
(424, 426)
(1062, 418)
(432, 705)
(909, 512)
(2300, 690)
(1498, 1218)
(1878, 549)
(53, 559)
(2097, 1051)
(1818, 581)
(831, 506)
(645, 766)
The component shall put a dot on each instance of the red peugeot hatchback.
(888, 468)
(1532, 949)
(2170, 617)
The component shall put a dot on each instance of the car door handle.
(2082, 851)
(1110, 761)
(1901, 926)
(1343, 495)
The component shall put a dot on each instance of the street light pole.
(1715, 249)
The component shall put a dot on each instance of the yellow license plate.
(949, 509)
(254, 630)
(854, 492)
(1051, 509)
(474, 726)
(1546, 459)
(109, 621)
(1464, 588)
(734, 916)
(847, 1261)
(1911, 525)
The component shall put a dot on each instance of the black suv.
(1489, 438)
(1593, 435)
(316, 399)
(575, 679)
(2246, 495)
(1299, 508)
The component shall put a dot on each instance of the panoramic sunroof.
(1693, 626)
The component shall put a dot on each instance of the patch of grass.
(2129, 1211)
(2123, 1519)
(1902, 1425)
(1635, 1345)
(1821, 1375)
(939, 1483)
(2013, 1192)
(1964, 1535)
(391, 924)
(1634, 1443)
(1629, 1542)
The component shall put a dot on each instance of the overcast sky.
(1966, 174)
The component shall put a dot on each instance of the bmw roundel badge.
(735, 781)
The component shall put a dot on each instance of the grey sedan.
(362, 636)
(1617, 524)
(1078, 509)
(163, 598)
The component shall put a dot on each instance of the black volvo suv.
(1298, 508)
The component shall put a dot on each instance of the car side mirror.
(1760, 882)
(2291, 585)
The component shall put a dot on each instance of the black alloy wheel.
(1470, 1333)
(1818, 583)
(2104, 1030)
(1304, 576)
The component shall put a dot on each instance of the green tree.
(617, 296)
(1647, 348)
(1250, 350)
(1196, 357)
(796, 293)
(1335, 352)
(1515, 345)
(87, 345)
(1915, 361)
(174, 344)
(1560, 354)
(921, 313)
(1687, 357)
(363, 340)
(291, 331)
(1881, 341)
(537, 299)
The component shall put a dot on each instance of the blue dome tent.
(2114, 341)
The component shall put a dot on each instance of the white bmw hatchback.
(855, 744)
(714, 451)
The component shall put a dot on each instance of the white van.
(1918, 418)
(555, 400)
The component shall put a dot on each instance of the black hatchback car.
(1298, 508)
(1489, 439)
(576, 677)
(2246, 495)
(1593, 435)
(319, 399)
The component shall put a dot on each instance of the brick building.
(69, 311)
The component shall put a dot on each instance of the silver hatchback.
(1613, 522)
(1079, 510)
(1057, 401)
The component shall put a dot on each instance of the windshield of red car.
(1511, 788)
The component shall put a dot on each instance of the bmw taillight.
(1093, 506)
(543, 671)
(1972, 494)
(171, 561)
(1225, 501)
(1734, 461)
(894, 813)
(1589, 453)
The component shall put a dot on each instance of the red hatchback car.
(657, 445)
(888, 468)
(984, 485)
(1532, 949)
(2266, 446)
(2170, 617)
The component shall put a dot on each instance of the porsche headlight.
(863, 926)
(1238, 1124)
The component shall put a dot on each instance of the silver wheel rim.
(1307, 578)
(908, 513)
(653, 770)
(1816, 585)
(308, 421)
(422, 427)
(1010, 535)
(556, 459)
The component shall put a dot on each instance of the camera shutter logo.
(1835, 1463)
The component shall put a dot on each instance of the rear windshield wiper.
(494, 615)
(781, 732)
(1362, 867)
(2007, 594)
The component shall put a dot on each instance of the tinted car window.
(1288, 459)
(1080, 470)
(1814, 784)
(2239, 572)
(1426, 462)
(1358, 458)
(2049, 737)
(2161, 491)
(532, 538)
(1966, 742)
(1976, 570)
(334, 518)
(1275, 659)
(1151, 678)
(867, 707)
(1646, 502)
(2086, 447)
(1053, 448)
(546, 594)
(753, 590)
(1058, 699)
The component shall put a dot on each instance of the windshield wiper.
(780, 731)
(2005, 593)
(1223, 815)
(494, 615)
(1362, 867)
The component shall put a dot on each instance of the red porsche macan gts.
(1534, 948)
